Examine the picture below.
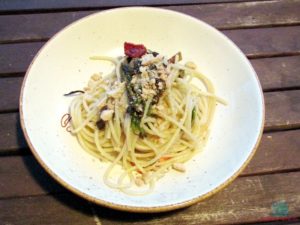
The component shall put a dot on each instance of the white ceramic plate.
(63, 65)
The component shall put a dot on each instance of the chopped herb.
(100, 124)
(74, 92)
(128, 59)
(127, 71)
(152, 67)
(154, 54)
(136, 64)
(173, 58)
(181, 73)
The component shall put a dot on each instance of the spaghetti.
(147, 116)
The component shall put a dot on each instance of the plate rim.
(123, 207)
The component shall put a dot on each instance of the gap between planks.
(19, 7)
(40, 27)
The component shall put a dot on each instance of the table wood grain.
(267, 191)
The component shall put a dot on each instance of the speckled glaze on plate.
(63, 65)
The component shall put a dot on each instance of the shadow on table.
(44, 185)
(114, 216)
(47, 185)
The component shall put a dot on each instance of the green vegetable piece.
(193, 114)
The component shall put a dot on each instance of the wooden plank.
(15, 58)
(246, 14)
(246, 200)
(23, 176)
(277, 152)
(260, 42)
(282, 110)
(266, 42)
(36, 27)
(12, 140)
(9, 93)
(278, 72)
(42, 26)
(30, 5)
(47, 210)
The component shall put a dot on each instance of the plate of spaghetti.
(142, 109)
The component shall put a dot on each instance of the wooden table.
(268, 190)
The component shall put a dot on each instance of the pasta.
(146, 116)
